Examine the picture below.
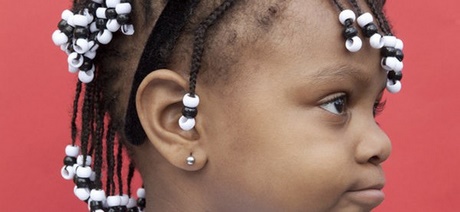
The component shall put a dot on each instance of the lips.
(369, 196)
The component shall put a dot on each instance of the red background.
(36, 93)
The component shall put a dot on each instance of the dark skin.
(292, 129)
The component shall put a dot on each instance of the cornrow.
(338, 4)
(73, 124)
(198, 44)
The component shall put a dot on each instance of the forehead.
(305, 43)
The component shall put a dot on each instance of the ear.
(159, 106)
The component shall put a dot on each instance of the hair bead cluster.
(390, 46)
(79, 34)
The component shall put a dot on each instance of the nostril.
(375, 160)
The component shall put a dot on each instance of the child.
(287, 92)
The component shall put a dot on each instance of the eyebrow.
(339, 72)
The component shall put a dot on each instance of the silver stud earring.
(190, 160)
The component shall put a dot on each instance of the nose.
(374, 145)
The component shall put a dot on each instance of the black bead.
(82, 182)
(141, 203)
(100, 23)
(189, 112)
(395, 76)
(112, 209)
(81, 32)
(96, 205)
(370, 29)
(135, 209)
(62, 24)
(388, 51)
(87, 64)
(399, 55)
(122, 208)
(348, 22)
(350, 32)
(92, 7)
(123, 19)
(67, 30)
(70, 161)
(111, 13)
(126, 1)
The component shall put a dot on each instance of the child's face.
(294, 130)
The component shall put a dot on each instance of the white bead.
(81, 46)
(394, 87)
(98, 195)
(186, 124)
(354, 44)
(80, 160)
(124, 200)
(67, 172)
(112, 25)
(75, 60)
(131, 203)
(399, 66)
(66, 14)
(123, 8)
(345, 15)
(190, 101)
(113, 201)
(82, 193)
(389, 41)
(90, 54)
(100, 12)
(72, 69)
(84, 172)
(376, 41)
(80, 20)
(93, 27)
(140, 193)
(86, 76)
(112, 3)
(104, 37)
(365, 19)
(93, 176)
(127, 29)
(93, 46)
(59, 38)
(88, 15)
(72, 151)
(399, 44)
(389, 63)
(98, 1)
(70, 20)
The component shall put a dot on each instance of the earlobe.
(159, 106)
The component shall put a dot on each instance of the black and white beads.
(80, 34)
(189, 112)
(390, 46)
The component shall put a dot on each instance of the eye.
(336, 105)
(379, 106)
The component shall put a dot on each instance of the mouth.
(370, 196)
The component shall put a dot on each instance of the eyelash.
(342, 99)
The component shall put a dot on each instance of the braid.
(110, 158)
(355, 5)
(100, 114)
(74, 130)
(120, 166)
(86, 121)
(338, 4)
(132, 168)
(378, 12)
(198, 45)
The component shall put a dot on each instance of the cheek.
(282, 158)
